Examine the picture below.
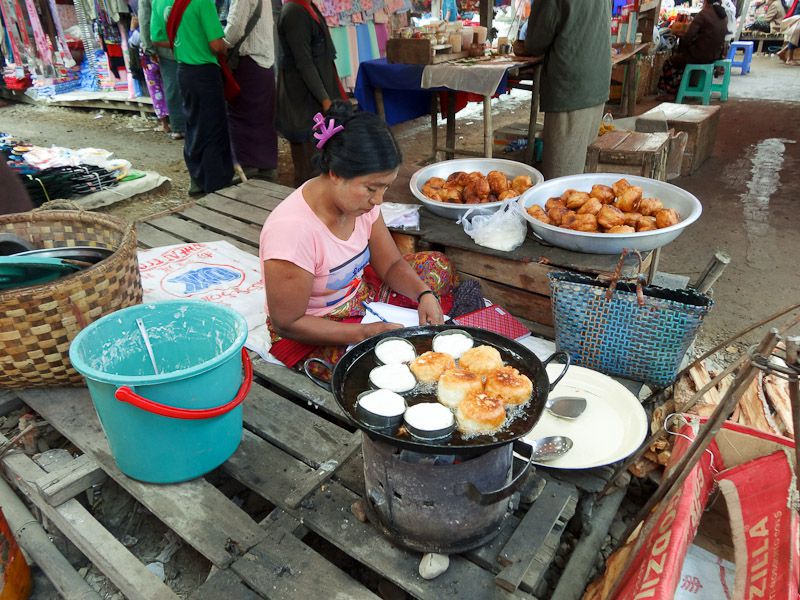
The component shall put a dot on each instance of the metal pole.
(792, 360)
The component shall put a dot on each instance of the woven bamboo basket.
(37, 323)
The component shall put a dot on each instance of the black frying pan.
(351, 377)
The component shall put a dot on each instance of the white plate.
(611, 428)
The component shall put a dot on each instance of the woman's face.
(359, 195)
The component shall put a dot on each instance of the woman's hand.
(371, 329)
(430, 311)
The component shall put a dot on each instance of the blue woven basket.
(639, 336)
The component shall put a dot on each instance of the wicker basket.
(37, 323)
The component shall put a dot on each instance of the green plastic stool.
(702, 90)
(722, 87)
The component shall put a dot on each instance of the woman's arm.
(392, 268)
(288, 291)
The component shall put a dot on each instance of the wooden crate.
(419, 52)
(699, 123)
(629, 152)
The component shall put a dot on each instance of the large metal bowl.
(687, 206)
(445, 168)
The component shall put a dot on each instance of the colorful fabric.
(152, 77)
(671, 75)
(434, 268)
(340, 42)
(294, 233)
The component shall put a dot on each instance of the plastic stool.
(747, 50)
(722, 87)
(702, 90)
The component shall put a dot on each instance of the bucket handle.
(126, 394)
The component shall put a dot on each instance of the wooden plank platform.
(300, 454)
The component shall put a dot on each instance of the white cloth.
(212, 271)
(478, 78)
(404, 216)
(730, 14)
(259, 44)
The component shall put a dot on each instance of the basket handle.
(615, 277)
(126, 394)
(58, 205)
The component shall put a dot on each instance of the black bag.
(233, 53)
(758, 25)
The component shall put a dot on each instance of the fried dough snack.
(629, 200)
(475, 187)
(592, 207)
(616, 209)
(498, 182)
(666, 217)
(584, 223)
(557, 213)
(650, 206)
(577, 199)
(603, 193)
(619, 186)
(537, 212)
(610, 216)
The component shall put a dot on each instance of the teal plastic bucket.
(184, 421)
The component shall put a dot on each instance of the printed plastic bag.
(502, 230)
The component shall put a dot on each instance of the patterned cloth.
(435, 270)
(152, 76)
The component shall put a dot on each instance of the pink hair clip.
(323, 133)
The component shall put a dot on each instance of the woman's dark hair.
(717, 5)
(364, 146)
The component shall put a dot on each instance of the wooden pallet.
(293, 430)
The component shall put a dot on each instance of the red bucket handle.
(126, 394)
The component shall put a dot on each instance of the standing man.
(165, 58)
(252, 112)
(574, 38)
(198, 42)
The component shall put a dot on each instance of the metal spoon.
(550, 448)
(566, 407)
(147, 345)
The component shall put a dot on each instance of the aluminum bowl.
(687, 206)
(445, 168)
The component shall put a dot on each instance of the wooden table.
(293, 430)
(530, 64)
(627, 57)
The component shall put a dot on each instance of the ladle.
(550, 448)
(147, 345)
(566, 407)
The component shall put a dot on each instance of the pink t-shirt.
(293, 233)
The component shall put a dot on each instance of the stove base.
(424, 507)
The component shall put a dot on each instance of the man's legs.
(566, 137)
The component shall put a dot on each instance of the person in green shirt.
(198, 43)
(573, 36)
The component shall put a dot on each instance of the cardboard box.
(699, 123)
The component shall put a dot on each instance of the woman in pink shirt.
(325, 249)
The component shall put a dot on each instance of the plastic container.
(184, 421)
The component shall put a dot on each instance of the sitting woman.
(702, 44)
(326, 251)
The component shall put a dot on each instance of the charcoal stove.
(438, 503)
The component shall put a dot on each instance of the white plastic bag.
(502, 230)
